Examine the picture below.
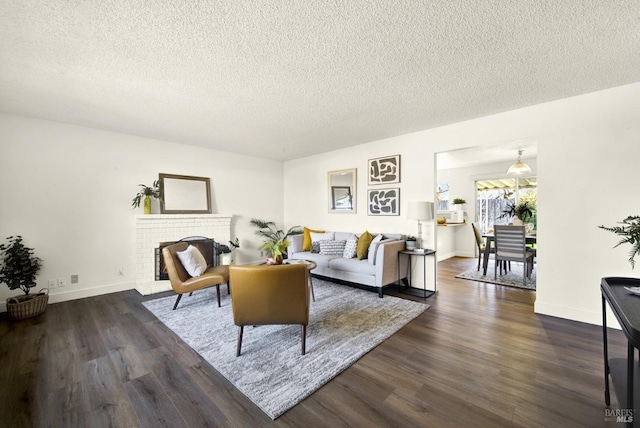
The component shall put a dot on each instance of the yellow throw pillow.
(306, 238)
(362, 250)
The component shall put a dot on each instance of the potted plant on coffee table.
(18, 270)
(276, 239)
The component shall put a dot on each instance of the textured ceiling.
(287, 79)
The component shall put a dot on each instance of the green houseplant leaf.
(19, 266)
(630, 232)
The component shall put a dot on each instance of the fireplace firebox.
(207, 246)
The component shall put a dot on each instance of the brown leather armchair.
(276, 294)
(182, 282)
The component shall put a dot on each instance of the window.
(443, 197)
(495, 196)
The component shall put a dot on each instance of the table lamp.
(421, 211)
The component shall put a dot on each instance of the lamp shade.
(420, 211)
(519, 167)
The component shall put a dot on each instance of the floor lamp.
(421, 211)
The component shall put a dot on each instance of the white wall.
(67, 190)
(588, 151)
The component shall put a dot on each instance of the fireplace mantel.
(151, 229)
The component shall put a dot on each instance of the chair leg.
(177, 301)
(304, 339)
(239, 347)
(228, 288)
(479, 255)
(218, 293)
(313, 296)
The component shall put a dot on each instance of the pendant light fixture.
(519, 168)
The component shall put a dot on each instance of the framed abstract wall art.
(385, 170)
(383, 201)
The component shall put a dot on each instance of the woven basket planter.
(27, 306)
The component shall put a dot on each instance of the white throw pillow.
(193, 261)
(350, 247)
(373, 248)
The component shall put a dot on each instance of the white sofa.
(380, 268)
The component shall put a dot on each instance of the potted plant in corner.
(147, 192)
(226, 251)
(19, 269)
(458, 203)
(630, 232)
(411, 242)
(276, 244)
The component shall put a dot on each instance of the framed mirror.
(184, 194)
(342, 191)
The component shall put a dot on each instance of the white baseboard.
(63, 296)
(573, 314)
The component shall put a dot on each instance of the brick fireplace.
(152, 229)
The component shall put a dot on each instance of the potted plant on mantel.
(630, 232)
(147, 192)
(276, 244)
(19, 269)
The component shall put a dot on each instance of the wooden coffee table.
(311, 265)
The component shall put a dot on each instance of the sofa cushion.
(350, 247)
(342, 236)
(363, 245)
(306, 240)
(332, 248)
(317, 237)
(352, 265)
(373, 248)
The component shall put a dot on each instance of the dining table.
(530, 238)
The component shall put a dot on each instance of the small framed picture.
(383, 201)
(384, 170)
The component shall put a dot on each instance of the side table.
(423, 254)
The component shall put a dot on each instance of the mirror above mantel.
(342, 191)
(184, 194)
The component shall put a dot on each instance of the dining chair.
(480, 243)
(482, 246)
(510, 245)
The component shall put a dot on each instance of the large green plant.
(630, 232)
(19, 265)
(276, 239)
(523, 210)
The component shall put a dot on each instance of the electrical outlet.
(74, 279)
(61, 282)
(52, 283)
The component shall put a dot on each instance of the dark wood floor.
(479, 357)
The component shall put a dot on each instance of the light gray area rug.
(345, 323)
(511, 279)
